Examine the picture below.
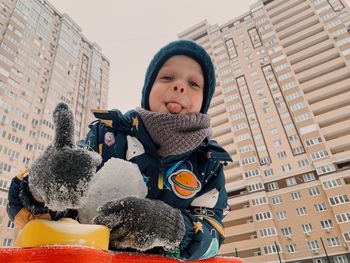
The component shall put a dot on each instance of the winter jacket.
(192, 182)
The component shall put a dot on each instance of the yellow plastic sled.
(40, 232)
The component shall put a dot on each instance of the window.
(7, 242)
(333, 241)
(281, 155)
(293, 138)
(272, 249)
(303, 163)
(309, 177)
(327, 168)
(273, 131)
(292, 248)
(296, 195)
(261, 148)
(259, 201)
(268, 172)
(319, 155)
(272, 186)
(286, 231)
(269, 120)
(347, 236)
(248, 160)
(263, 216)
(265, 232)
(321, 207)
(332, 183)
(340, 199)
(252, 173)
(286, 167)
(343, 218)
(306, 228)
(255, 187)
(313, 245)
(3, 201)
(340, 259)
(301, 211)
(298, 150)
(265, 160)
(312, 141)
(10, 224)
(291, 181)
(326, 224)
(276, 200)
(302, 117)
(314, 191)
(281, 215)
(277, 143)
(288, 126)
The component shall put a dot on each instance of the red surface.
(59, 254)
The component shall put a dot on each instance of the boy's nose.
(178, 89)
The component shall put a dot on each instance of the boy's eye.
(167, 77)
(194, 84)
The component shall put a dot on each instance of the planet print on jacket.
(183, 181)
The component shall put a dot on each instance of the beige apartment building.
(282, 110)
(44, 59)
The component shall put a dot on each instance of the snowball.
(116, 179)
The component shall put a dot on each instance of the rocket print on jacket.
(181, 180)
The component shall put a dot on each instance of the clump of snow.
(61, 175)
(116, 179)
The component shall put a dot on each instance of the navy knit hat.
(189, 49)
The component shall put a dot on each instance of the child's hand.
(61, 176)
(141, 223)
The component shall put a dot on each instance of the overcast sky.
(130, 32)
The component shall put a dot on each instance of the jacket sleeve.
(203, 219)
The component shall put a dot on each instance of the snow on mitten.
(141, 224)
(61, 175)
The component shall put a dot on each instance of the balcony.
(319, 67)
(331, 104)
(328, 79)
(301, 36)
(308, 42)
(286, 12)
(336, 130)
(340, 144)
(298, 27)
(332, 117)
(294, 20)
(285, 6)
(311, 51)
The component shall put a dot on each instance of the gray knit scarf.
(174, 133)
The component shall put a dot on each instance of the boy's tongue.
(174, 107)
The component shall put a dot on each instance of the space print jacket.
(192, 182)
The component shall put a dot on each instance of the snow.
(116, 179)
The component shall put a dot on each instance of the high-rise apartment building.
(44, 59)
(282, 110)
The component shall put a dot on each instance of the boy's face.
(178, 87)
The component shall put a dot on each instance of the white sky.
(130, 32)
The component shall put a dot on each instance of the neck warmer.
(174, 133)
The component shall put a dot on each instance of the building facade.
(282, 110)
(44, 59)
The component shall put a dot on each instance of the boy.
(168, 138)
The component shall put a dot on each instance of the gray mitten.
(61, 175)
(141, 224)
